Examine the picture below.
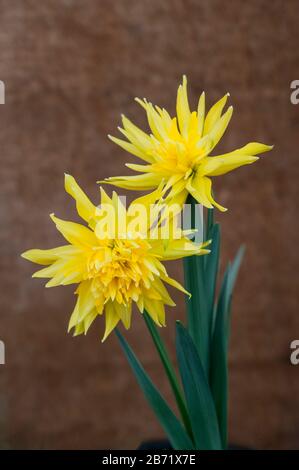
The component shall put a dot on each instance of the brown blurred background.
(71, 67)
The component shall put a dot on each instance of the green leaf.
(197, 392)
(170, 372)
(210, 223)
(198, 318)
(212, 266)
(176, 433)
(219, 347)
(234, 270)
(218, 369)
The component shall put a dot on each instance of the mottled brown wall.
(70, 68)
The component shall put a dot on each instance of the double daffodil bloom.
(177, 150)
(113, 269)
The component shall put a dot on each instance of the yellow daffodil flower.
(177, 150)
(112, 272)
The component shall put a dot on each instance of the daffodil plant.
(116, 259)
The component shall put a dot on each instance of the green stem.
(170, 372)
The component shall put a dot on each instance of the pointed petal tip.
(104, 338)
(25, 255)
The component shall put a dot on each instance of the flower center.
(120, 269)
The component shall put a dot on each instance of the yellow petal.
(253, 148)
(220, 166)
(48, 272)
(208, 190)
(63, 271)
(74, 317)
(196, 187)
(86, 300)
(74, 233)
(131, 148)
(220, 127)
(208, 165)
(79, 329)
(140, 168)
(139, 182)
(46, 257)
(125, 313)
(176, 284)
(120, 214)
(159, 286)
(85, 208)
(137, 137)
(156, 310)
(105, 199)
(201, 190)
(214, 114)
(155, 122)
(150, 198)
(111, 319)
(182, 107)
(89, 319)
(201, 114)
(181, 248)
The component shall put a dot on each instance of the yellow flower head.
(115, 261)
(176, 151)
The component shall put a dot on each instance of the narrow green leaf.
(219, 367)
(198, 319)
(212, 266)
(197, 392)
(219, 347)
(210, 223)
(176, 433)
(235, 266)
(170, 372)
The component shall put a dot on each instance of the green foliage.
(170, 372)
(169, 422)
(201, 349)
(219, 344)
(197, 391)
